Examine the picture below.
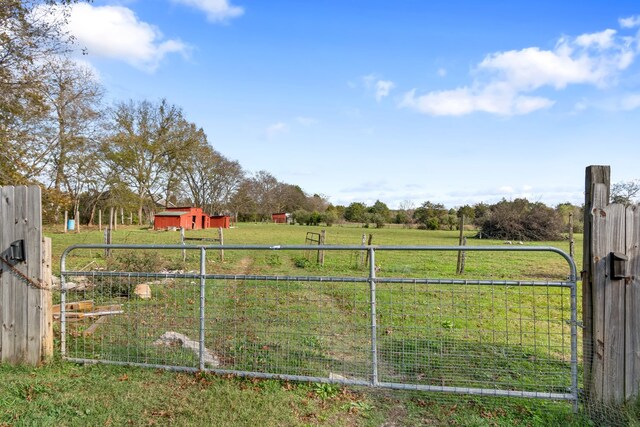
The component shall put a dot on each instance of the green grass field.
(430, 335)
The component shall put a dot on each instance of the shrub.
(301, 262)
(129, 261)
(330, 217)
(521, 220)
(378, 220)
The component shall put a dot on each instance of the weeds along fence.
(386, 325)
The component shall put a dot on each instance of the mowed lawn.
(62, 393)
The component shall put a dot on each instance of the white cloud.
(630, 22)
(276, 129)
(216, 10)
(462, 101)
(380, 88)
(116, 32)
(306, 121)
(504, 81)
(601, 40)
(442, 72)
(630, 102)
(383, 87)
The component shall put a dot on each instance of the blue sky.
(408, 100)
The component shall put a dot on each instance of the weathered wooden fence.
(611, 294)
(25, 276)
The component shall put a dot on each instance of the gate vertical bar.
(374, 323)
(203, 257)
(63, 306)
(574, 339)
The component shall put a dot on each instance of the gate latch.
(16, 252)
(618, 268)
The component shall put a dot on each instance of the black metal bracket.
(18, 252)
(618, 267)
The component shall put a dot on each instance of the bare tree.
(625, 192)
(146, 144)
(72, 128)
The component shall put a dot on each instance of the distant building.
(219, 221)
(280, 218)
(188, 218)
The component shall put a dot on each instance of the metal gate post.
(574, 338)
(374, 323)
(203, 257)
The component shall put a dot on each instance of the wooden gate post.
(611, 294)
(25, 278)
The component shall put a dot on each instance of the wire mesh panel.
(301, 327)
(492, 337)
(122, 318)
(489, 337)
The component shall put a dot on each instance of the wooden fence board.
(20, 289)
(46, 319)
(632, 309)
(36, 296)
(614, 308)
(8, 296)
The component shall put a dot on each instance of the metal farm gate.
(380, 327)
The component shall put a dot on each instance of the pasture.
(269, 402)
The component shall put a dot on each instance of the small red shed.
(217, 221)
(186, 217)
(280, 218)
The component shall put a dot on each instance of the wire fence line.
(382, 329)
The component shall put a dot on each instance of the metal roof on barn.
(172, 213)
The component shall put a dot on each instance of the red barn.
(216, 221)
(185, 217)
(280, 218)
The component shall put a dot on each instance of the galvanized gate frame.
(571, 395)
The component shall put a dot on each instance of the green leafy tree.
(469, 213)
(565, 210)
(381, 209)
(431, 216)
(355, 212)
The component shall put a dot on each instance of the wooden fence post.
(572, 243)
(107, 241)
(323, 236)
(184, 251)
(461, 239)
(361, 255)
(221, 240)
(25, 293)
(366, 258)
